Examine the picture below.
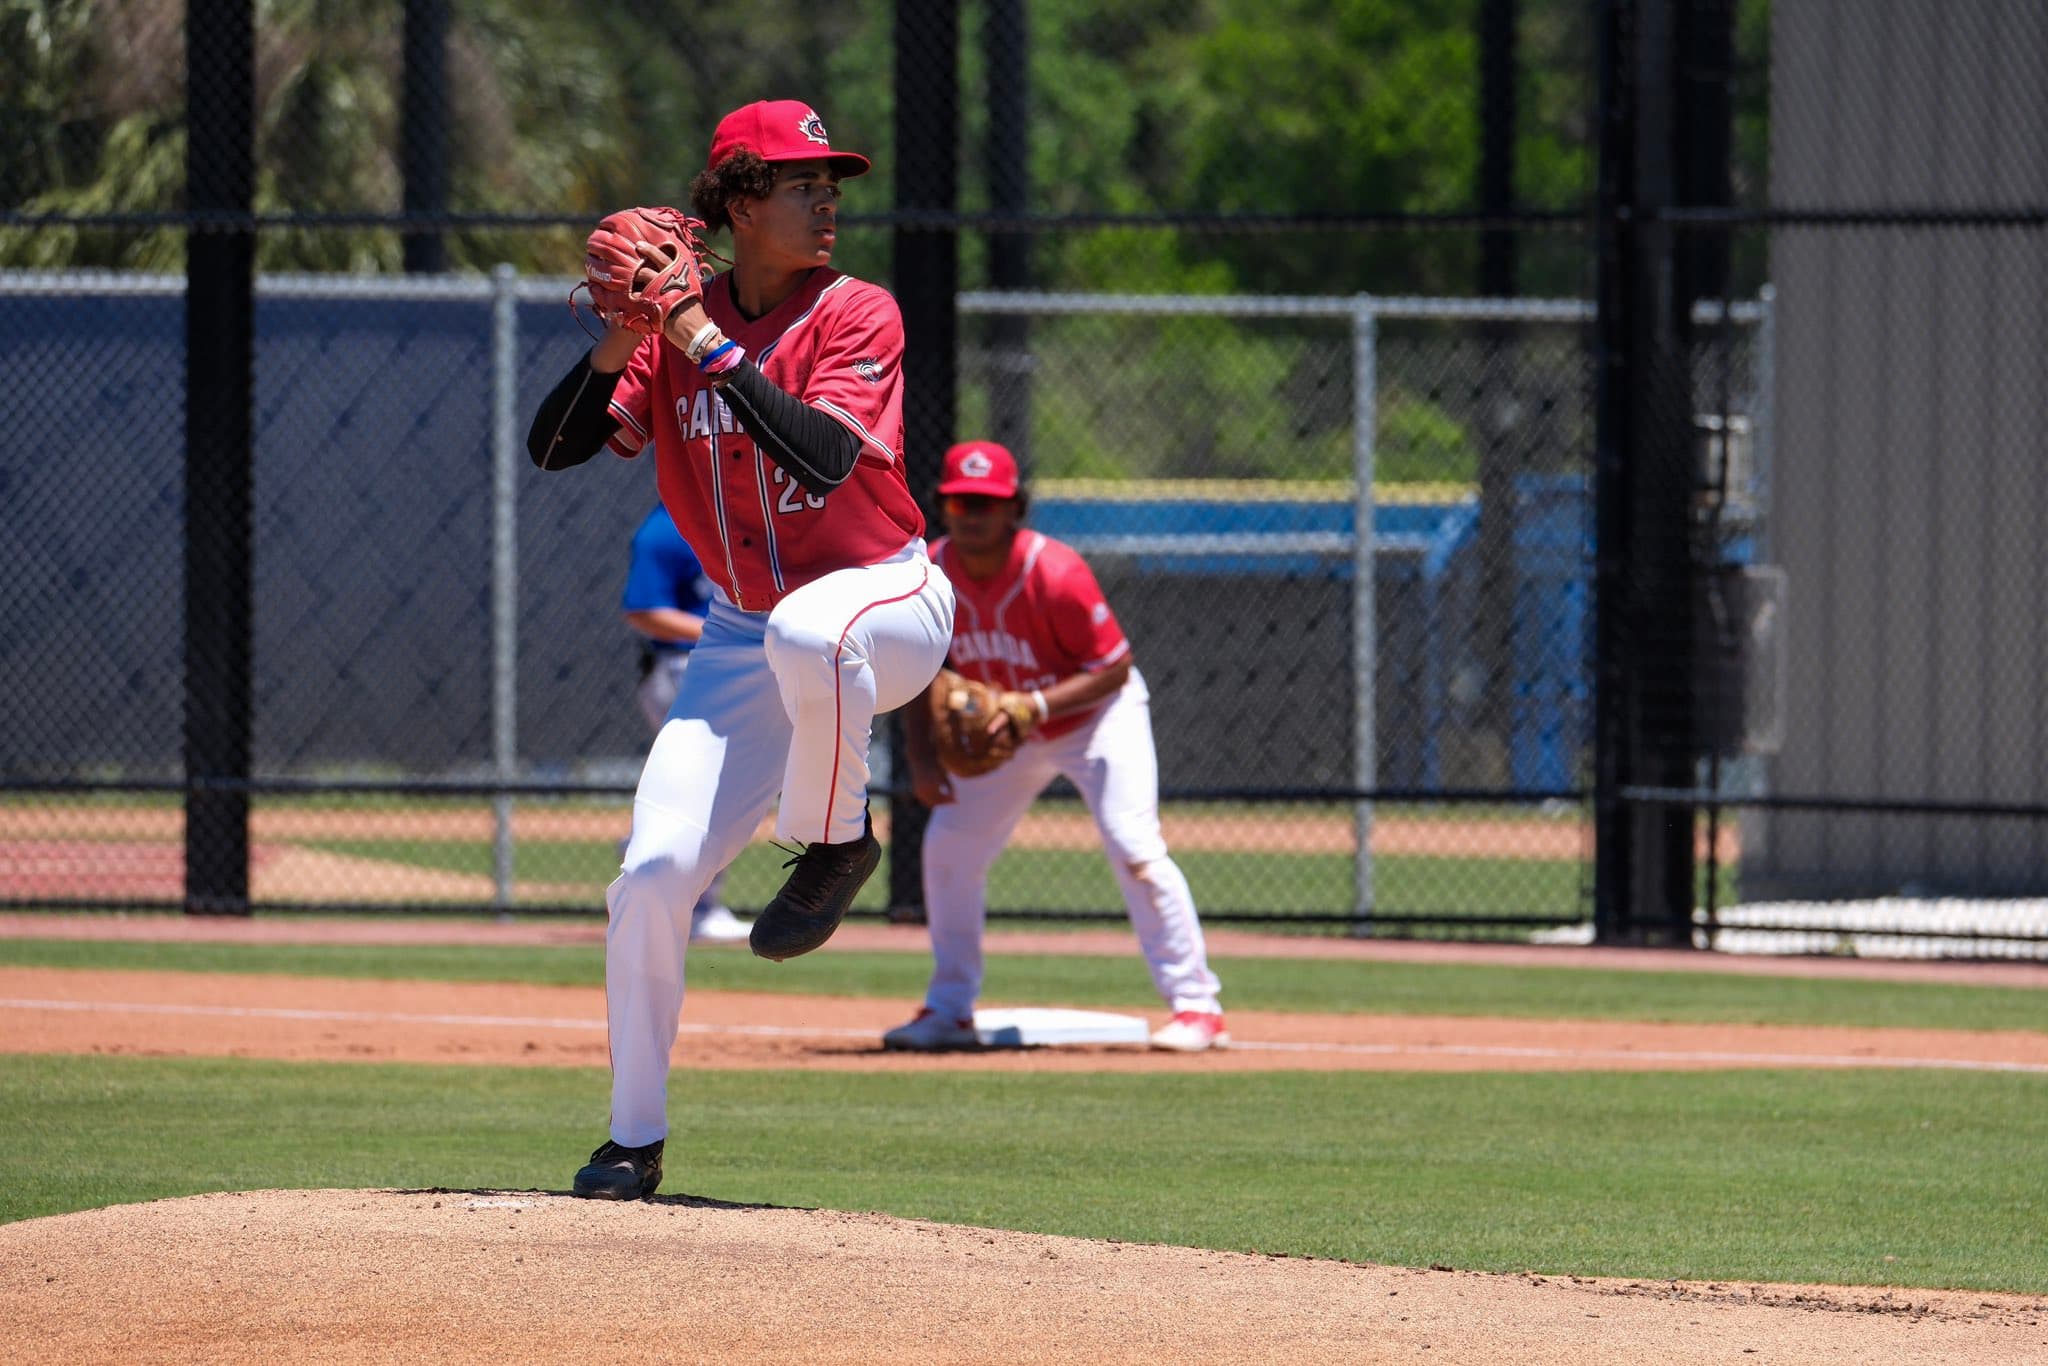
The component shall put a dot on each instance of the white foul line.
(400, 1017)
(1465, 1050)
(1388, 1050)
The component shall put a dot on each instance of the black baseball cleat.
(815, 899)
(616, 1172)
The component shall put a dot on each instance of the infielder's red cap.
(979, 467)
(781, 130)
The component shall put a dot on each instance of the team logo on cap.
(977, 465)
(813, 128)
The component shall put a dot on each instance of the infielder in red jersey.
(1032, 620)
(772, 395)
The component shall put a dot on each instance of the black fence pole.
(1503, 442)
(1006, 52)
(926, 268)
(423, 134)
(220, 45)
(1615, 250)
(1703, 137)
(1498, 125)
(1646, 480)
(1662, 576)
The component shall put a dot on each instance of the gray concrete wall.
(1910, 491)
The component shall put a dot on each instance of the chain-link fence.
(1697, 578)
(425, 612)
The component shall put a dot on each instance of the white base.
(1031, 1026)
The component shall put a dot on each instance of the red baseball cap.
(781, 130)
(979, 467)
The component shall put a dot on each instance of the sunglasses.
(971, 502)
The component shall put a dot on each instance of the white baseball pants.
(1112, 763)
(776, 703)
(657, 693)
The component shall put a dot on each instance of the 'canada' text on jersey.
(836, 344)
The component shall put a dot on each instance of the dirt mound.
(531, 1276)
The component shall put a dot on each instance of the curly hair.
(743, 175)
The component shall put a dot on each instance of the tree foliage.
(1141, 107)
(554, 107)
(558, 107)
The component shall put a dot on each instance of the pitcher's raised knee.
(794, 639)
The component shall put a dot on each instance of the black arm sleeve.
(574, 420)
(814, 448)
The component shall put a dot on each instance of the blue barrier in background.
(1551, 713)
(1302, 549)
(1435, 531)
(1426, 570)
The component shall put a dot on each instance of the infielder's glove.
(626, 288)
(970, 739)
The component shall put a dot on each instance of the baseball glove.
(964, 724)
(626, 288)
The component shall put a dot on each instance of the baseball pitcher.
(772, 396)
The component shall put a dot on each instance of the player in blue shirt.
(665, 601)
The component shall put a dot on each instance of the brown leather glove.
(976, 727)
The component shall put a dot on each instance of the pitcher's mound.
(498, 1276)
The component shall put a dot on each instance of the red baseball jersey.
(1041, 619)
(837, 344)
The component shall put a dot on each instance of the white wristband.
(1038, 700)
(701, 343)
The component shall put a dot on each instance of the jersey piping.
(1002, 607)
(849, 420)
(839, 683)
(1003, 604)
(1123, 647)
(626, 420)
(762, 479)
(732, 570)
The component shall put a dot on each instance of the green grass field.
(1859, 1178)
(1079, 879)
(1909, 1178)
